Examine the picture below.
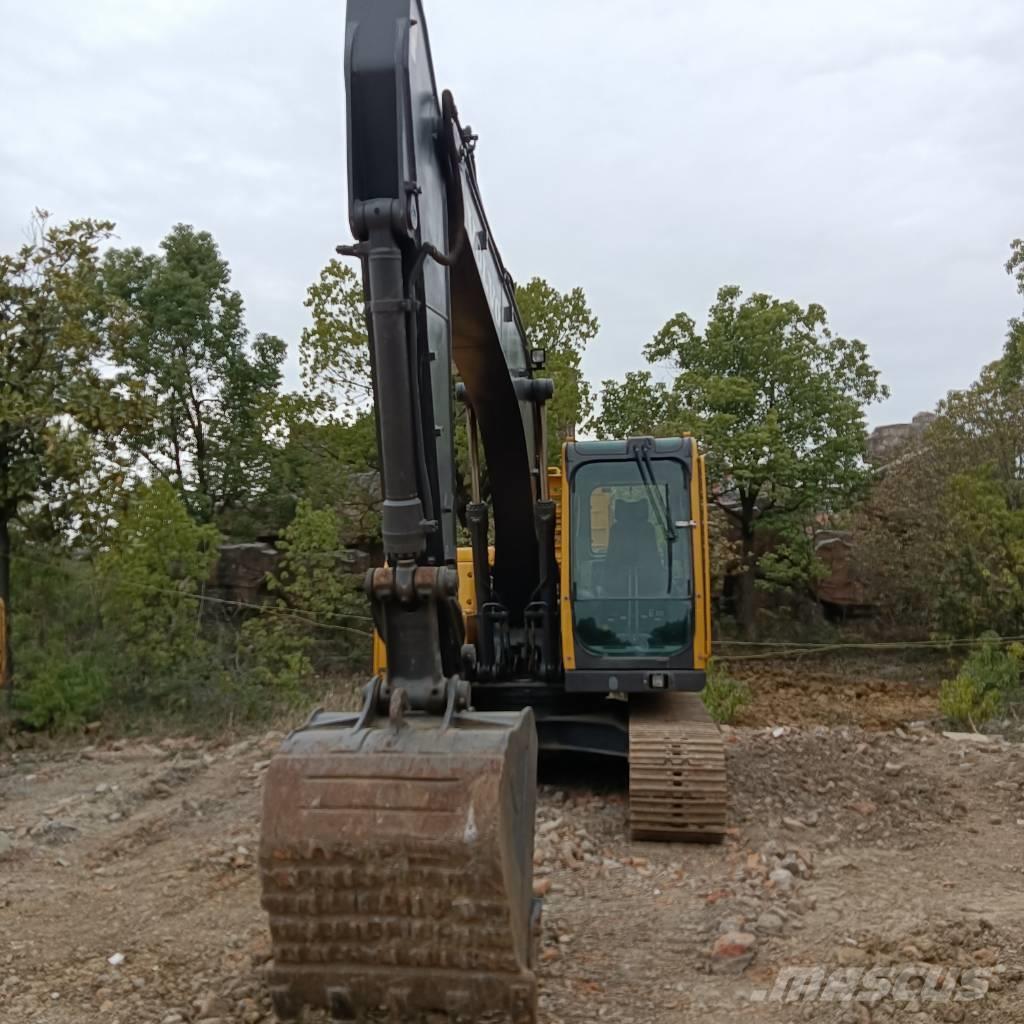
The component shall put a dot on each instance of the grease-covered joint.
(409, 583)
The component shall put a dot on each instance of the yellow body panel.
(701, 564)
(562, 553)
(380, 654)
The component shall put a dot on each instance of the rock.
(53, 831)
(6, 846)
(213, 1007)
(850, 956)
(732, 952)
(864, 807)
(782, 879)
(892, 768)
(969, 737)
(794, 823)
(116, 959)
(769, 923)
(541, 886)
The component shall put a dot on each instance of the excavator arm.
(437, 295)
(397, 842)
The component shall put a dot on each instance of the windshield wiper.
(668, 528)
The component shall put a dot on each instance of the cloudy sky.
(868, 156)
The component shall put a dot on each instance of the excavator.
(396, 853)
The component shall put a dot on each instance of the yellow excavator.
(397, 844)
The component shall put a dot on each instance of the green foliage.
(63, 693)
(59, 416)
(319, 621)
(987, 686)
(981, 583)
(723, 695)
(776, 398)
(331, 464)
(135, 407)
(777, 401)
(52, 335)
(158, 562)
(637, 405)
(941, 542)
(790, 564)
(211, 390)
(334, 355)
(562, 324)
(1014, 352)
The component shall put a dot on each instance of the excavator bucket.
(396, 865)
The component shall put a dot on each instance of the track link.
(677, 780)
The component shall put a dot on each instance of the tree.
(329, 455)
(212, 391)
(899, 533)
(330, 465)
(941, 540)
(776, 399)
(334, 351)
(562, 324)
(636, 406)
(56, 406)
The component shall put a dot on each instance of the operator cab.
(630, 565)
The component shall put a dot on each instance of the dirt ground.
(866, 845)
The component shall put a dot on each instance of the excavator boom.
(397, 844)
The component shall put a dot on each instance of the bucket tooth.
(677, 781)
(396, 867)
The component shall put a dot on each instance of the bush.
(151, 578)
(62, 694)
(319, 620)
(988, 684)
(723, 695)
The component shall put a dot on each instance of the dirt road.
(881, 856)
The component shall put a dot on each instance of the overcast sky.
(868, 156)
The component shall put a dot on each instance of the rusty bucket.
(396, 865)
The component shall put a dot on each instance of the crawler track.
(677, 782)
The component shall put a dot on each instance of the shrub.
(987, 685)
(723, 695)
(319, 618)
(62, 694)
(151, 576)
